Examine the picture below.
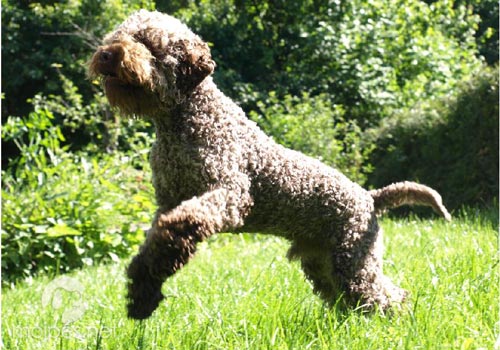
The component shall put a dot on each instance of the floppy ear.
(194, 63)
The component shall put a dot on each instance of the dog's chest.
(177, 171)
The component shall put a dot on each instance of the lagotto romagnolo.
(215, 171)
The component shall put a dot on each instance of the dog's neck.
(179, 116)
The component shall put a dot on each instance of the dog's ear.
(194, 64)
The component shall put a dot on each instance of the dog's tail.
(407, 192)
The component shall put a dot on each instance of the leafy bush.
(62, 210)
(38, 34)
(315, 127)
(92, 126)
(451, 145)
(487, 32)
(370, 57)
(487, 35)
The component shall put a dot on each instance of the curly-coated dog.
(215, 171)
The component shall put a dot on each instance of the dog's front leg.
(172, 240)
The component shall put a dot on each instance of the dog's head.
(150, 63)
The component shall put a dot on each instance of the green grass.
(240, 292)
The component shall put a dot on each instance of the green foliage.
(62, 210)
(315, 127)
(451, 145)
(487, 35)
(487, 31)
(37, 35)
(93, 126)
(369, 57)
(384, 55)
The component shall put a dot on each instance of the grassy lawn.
(240, 292)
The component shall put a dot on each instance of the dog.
(215, 171)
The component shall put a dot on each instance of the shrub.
(62, 210)
(451, 145)
(370, 57)
(53, 32)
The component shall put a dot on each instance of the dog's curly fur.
(214, 170)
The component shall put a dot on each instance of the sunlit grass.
(240, 292)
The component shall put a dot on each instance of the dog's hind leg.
(318, 269)
(360, 268)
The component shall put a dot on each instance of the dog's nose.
(106, 56)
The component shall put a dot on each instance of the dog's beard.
(129, 99)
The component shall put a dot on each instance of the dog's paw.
(144, 290)
(140, 309)
(393, 299)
